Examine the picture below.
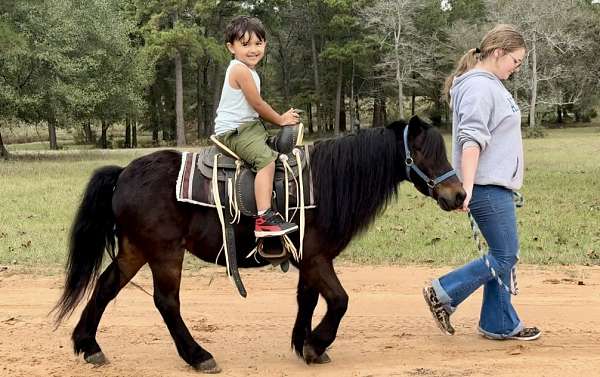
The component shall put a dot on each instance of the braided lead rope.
(513, 289)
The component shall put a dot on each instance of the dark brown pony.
(355, 177)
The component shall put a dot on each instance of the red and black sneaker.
(271, 224)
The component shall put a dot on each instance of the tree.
(551, 46)
(169, 30)
(404, 49)
(346, 44)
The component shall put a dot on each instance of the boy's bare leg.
(263, 187)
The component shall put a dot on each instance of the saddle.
(231, 192)
(229, 170)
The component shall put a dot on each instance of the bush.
(537, 132)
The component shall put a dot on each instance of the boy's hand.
(289, 118)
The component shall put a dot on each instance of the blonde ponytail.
(466, 63)
(504, 37)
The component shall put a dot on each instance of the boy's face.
(249, 50)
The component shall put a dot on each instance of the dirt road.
(387, 330)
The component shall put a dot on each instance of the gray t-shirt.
(486, 115)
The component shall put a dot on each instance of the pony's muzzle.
(451, 198)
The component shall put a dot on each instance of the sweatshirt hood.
(460, 80)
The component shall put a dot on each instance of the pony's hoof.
(311, 357)
(323, 359)
(209, 366)
(97, 359)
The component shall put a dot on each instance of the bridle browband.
(410, 164)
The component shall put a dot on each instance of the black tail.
(91, 234)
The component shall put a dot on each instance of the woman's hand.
(469, 194)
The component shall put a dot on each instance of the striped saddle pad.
(197, 171)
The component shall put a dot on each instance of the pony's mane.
(356, 176)
(433, 147)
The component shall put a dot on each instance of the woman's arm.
(469, 162)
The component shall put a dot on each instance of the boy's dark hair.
(239, 26)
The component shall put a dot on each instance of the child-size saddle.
(217, 177)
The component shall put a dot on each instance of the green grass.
(560, 223)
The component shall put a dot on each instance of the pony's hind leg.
(110, 282)
(166, 272)
(321, 275)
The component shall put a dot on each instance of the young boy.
(238, 126)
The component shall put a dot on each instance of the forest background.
(157, 67)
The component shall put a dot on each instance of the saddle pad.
(190, 181)
(194, 186)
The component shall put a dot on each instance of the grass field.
(559, 224)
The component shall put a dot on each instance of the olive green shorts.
(249, 141)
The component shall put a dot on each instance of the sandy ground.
(387, 330)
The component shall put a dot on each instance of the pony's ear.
(397, 127)
(416, 125)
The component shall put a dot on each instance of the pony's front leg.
(166, 274)
(307, 298)
(322, 276)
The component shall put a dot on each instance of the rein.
(410, 164)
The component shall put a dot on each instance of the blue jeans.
(494, 211)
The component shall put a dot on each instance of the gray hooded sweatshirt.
(486, 115)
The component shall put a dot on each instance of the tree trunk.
(414, 96)
(338, 99)
(218, 78)
(559, 113)
(356, 125)
(400, 98)
(52, 134)
(397, 34)
(127, 133)
(134, 143)
(352, 110)
(376, 122)
(534, 83)
(315, 64)
(199, 102)
(209, 112)
(180, 128)
(87, 132)
(378, 106)
(343, 127)
(284, 75)
(309, 118)
(103, 138)
(3, 151)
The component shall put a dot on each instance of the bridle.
(410, 164)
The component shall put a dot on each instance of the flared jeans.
(493, 209)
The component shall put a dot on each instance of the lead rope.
(513, 289)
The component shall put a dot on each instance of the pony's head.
(426, 163)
